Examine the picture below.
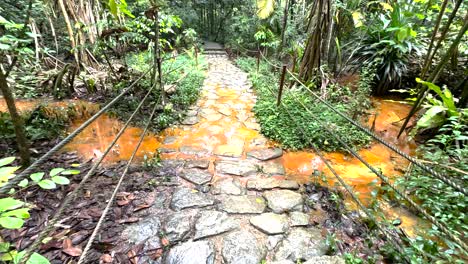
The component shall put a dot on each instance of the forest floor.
(219, 195)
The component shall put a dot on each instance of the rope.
(421, 210)
(24, 174)
(269, 62)
(387, 144)
(345, 185)
(71, 197)
(114, 194)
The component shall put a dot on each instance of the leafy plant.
(437, 112)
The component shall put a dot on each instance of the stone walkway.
(225, 199)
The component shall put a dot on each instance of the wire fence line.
(348, 189)
(382, 177)
(449, 182)
(71, 197)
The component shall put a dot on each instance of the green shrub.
(276, 122)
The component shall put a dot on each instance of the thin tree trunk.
(285, 24)
(71, 34)
(23, 146)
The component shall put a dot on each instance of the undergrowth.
(183, 72)
(276, 123)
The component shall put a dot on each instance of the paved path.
(225, 199)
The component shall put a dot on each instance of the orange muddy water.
(225, 126)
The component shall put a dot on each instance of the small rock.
(228, 186)
(271, 183)
(270, 223)
(187, 198)
(177, 226)
(273, 168)
(266, 154)
(233, 151)
(325, 260)
(169, 140)
(199, 164)
(238, 168)
(301, 244)
(197, 176)
(190, 120)
(299, 219)
(242, 248)
(199, 252)
(146, 230)
(188, 150)
(170, 88)
(212, 223)
(192, 113)
(167, 150)
(243, 204)
(273, 241)
(281, 201)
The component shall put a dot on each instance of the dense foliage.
(277, 122)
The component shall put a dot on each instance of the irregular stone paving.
(225, 199)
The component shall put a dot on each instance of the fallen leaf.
(73, 251)
(129, 220)
(123, 202)
(106, 258)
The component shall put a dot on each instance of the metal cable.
(24, 174)
(385, 143)
(421, 210)
(114, 194)
(345, 185)
(71, 197)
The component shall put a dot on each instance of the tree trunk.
(23, 146)
(285, 24)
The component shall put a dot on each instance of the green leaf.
(61, 180)
(113, 7)
(9, 255)
(22, 213)
(9, 204)
(433, 117)
(7, 172)
(9, 222)
(34, 259)
(265, 8)
(70, 172)
(47, 184)
(6, 161)
(4, 247)
(23, 183)
(36, 177)
(56, 171)
(446, 96)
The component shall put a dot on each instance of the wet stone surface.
(220, 204)
(187, 198)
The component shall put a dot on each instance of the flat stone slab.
(273, 168)
(147, 230)
(325, 260)
(233, 151)
(193, 151)
(266, 154)
(270, 223)
(211, 223)
(271, 183)
(178, 226)
(228, 185)
(299, 219)
(242, 247)
(196, 176)
(301, 244)
(281, 201)
(190, 120)
(238, 168)
(199, 164)
(169, 140)
(242, 204)
(187, 198)
(199, 252)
